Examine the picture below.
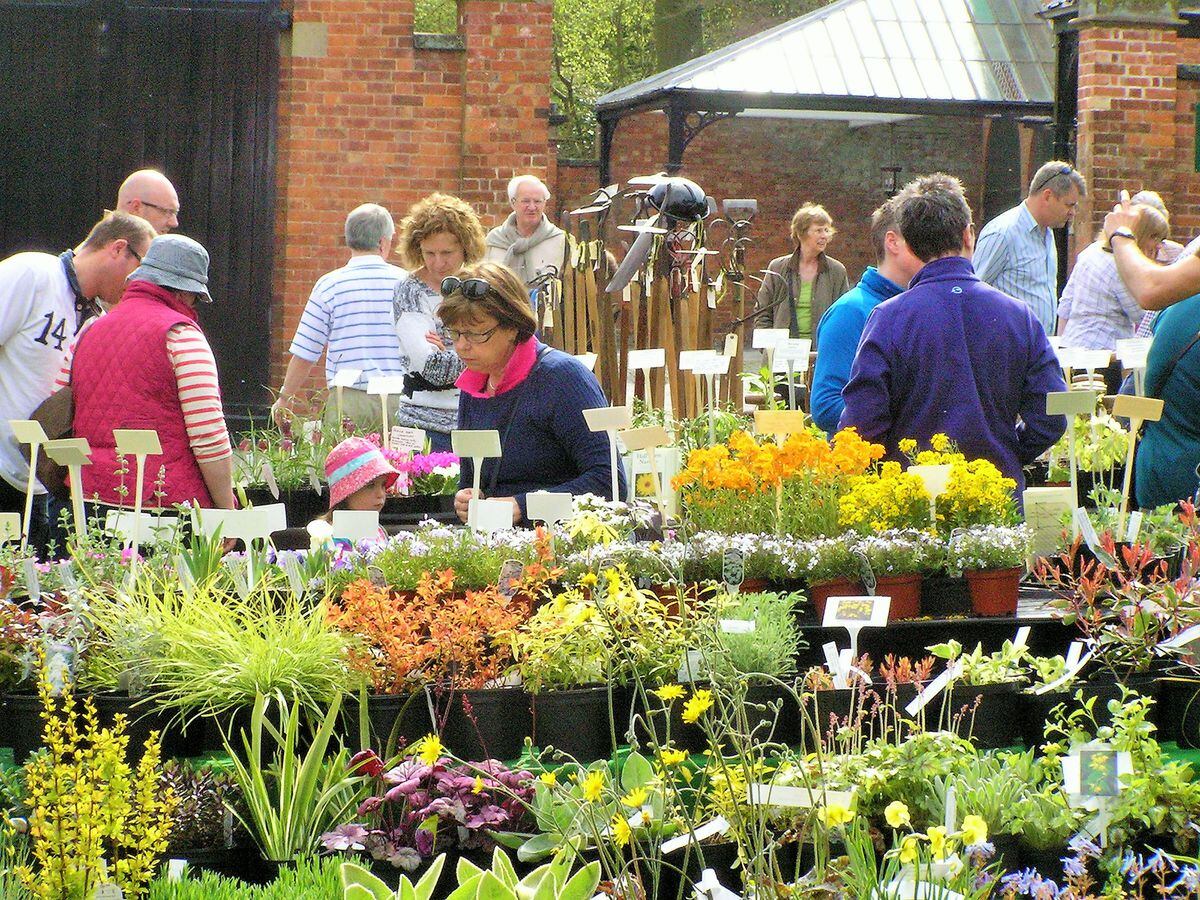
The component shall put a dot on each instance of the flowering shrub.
(428, 803)
(889, 498)
(987, 547)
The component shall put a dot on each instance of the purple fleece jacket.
(954, 355)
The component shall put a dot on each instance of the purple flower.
(1073, 867)
(979, 854)
(345, 837)
(1189, 880)
(1083, 847)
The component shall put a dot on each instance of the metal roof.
(903, 55)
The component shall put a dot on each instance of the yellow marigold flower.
(672, 757)
(549, 779)
(697, 705)
(974, 830)
(589, 579)
(938, 842)
(668, 692)
(429, 749)
(621, 831)
(908, 850)
(835, 814)
(635, 798)
(593, 786)
(897, 814)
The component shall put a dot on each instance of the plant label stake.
(385, 386)
(711, 828)
(610, 419)
(29, 431)
(1137, 410)
(1133, 353)
(1075, 662)
(109, 892)
(138, 443)
(709, 888)
(935, 479)
(1044, 508)
(935, 687)
(550, 507)
(644, 361)
(648, 439)
(344, 378)
(356, 525)
(1091, 361)
(856, 613)
(407, 440)
(710, 369)
(833, 661)
(1092, 774)
(791, 357)
(10, 527)
(74, 453)
(690, 361)
(1071, 404)
(478, 446)
(950, 820)
(489, 515)
(733, 569)
(779, 423)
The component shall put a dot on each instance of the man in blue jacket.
(842, 325)
(952, 354)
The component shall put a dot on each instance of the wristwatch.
(1120, 232)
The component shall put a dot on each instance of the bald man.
(148, 194)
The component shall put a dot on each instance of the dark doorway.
(96, 89)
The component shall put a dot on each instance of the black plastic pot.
(991, 713)
(393, 720)
(764, 724)
(720, 857)
(1008, 851)
(490, 723)
(228, 861)
(1034, 709)
(22, 725)
(303, 504)
(1177, 712)
(577, 722)
(1045, 860)
(943, 597)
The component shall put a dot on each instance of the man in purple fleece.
(952, 354)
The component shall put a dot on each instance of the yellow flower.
(974, 830)
(549, 779)
(907, 446)
(672, 757)
(669, 692)
(908, 850)
(478, 788)
(940, 443)
(593, 786)
(635, 798)
(836, 814)
(429, 749)
(621, 831)
(937, 841)
(897, 814)
(589, 580)
(697, 705)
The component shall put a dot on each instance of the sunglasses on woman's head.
(471, 288)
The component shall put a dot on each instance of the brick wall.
(371, 117)
(785, 162)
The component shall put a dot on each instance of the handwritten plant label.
(407, 440)
(711, 828)
(32, 584)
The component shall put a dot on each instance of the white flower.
(320, 534)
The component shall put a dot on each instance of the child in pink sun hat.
(359, 476)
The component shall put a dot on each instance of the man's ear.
(968, 241)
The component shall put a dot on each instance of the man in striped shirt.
(349, 318)
(1015, 251)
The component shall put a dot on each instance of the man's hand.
(1123, 215)
(282, 409)
(436, 339)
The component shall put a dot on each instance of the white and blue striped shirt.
(1015, 254)
(350, 312)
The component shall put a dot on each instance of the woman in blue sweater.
(533, 395)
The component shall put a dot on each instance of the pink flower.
(245, 445)
(286, 445)
(345, 837)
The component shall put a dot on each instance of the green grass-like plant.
(770, 649)
(310, 879)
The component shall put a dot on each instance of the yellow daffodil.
(938, 841)
(668, 692)
(593, 786)
(908, 850)
(549, 779)
(897, 814)
(478, 787)
(621, 831)
(835, 814)
(635, 798)
(697, 705)
(429, 749)
(672, 757)
(974, 830)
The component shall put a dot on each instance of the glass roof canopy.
(964, 57)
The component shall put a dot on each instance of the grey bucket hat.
(175, 261)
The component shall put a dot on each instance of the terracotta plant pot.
(842, 587)
(905, 591)
(994, 591)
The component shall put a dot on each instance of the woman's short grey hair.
(514, 185)
(367, 225)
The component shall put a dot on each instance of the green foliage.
(435, 17)
(310, 879)
(552, 881)
(771, 648)
(359, 884)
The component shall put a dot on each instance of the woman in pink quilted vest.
(147, 364)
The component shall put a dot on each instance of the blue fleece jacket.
(838, 334)
(545, 442)
(954, 355)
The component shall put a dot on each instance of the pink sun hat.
(352, 465)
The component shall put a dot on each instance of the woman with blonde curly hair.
(438, 237)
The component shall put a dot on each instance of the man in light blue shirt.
(842, 324)
(1015, 251)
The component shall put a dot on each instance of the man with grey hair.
(349, 318)
(1015, 252)
(528, 242)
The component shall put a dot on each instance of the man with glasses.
(44, 300)
(1015, 252)
(149, 195)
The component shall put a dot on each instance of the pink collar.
(520, 364)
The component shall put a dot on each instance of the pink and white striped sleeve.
(196, 375)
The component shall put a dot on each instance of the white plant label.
(709, 887)
(356, 525)
(934, 688)
(1088, 530)
(490, 515)
(1133, 352)
(767, 338)
(1182, 639)
(345, 378)
(175, 869)
(10, 527)
(268, 473)
(711, 828)
(549, 506)
(608, 418)
(407, 440)
(1022, 637)
(856, 612)
(1092, 773)
(1135, 526)
(833, 661)
(32, 584)
(108, 892)
(737, 626)
(653, 358)
(689, 359)
(692, 667)
(385, 385)
(1072, 671)
(793, 353)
